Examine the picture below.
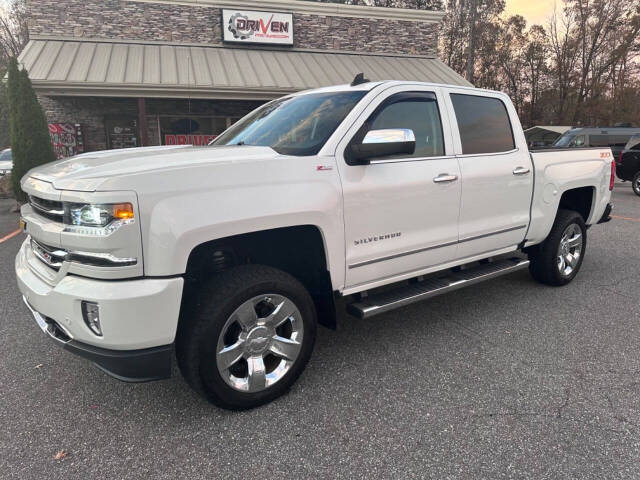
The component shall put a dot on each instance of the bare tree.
(536, 70)
(14, 32)
(564, 57)
(466, 31)
(606, 30)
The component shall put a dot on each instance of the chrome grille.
(50, 256)
(53, 257)
(50, 209)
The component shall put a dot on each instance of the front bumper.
(139, 318)
(127, 365)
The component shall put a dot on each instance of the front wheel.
(635, 184)
(558, 259)
(250, 336)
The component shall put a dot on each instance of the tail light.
(612, 181)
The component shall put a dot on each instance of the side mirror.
(383, 143)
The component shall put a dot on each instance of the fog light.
(91, 315)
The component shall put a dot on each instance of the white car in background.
(6, 162)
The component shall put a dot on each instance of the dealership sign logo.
(246, 26)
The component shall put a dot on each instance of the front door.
(401, 213)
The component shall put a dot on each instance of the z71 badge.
(377, 238)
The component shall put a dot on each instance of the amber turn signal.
(123, 211)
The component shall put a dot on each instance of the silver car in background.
(6, 162)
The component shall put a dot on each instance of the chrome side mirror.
(383, 143)
(389, 135)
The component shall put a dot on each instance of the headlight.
(103, 219)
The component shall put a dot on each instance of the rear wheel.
(558, 259)
(635, 184)
(250, 337)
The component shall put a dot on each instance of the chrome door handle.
(445, 178)
(521, 171)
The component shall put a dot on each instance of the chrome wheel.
(259, 343)
(570, 249)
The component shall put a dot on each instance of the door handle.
(445, 178)
(521, 171)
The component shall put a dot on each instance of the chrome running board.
(376, 304)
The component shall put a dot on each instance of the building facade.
(123, 73)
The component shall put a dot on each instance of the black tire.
(635, 184)
(214, 303)
(544, 258)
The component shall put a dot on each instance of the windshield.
(5, 156)
(634, 143)
(564, 141)
(569, 140)
(293, 125)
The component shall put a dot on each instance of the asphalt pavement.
(506, 379)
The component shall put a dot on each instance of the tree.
(30, 140)
(14, 32)
(467, 28)
(4, 117)
(536, 71)
(583, 69)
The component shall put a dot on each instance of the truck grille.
(50, 209)
(50, 256)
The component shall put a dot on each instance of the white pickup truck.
(227, 256)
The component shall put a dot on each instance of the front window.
(418, 112)
(298, 125)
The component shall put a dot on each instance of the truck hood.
(86, 172)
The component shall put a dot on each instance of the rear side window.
(599, 140)
(618, 140)
(603, 140)
(483, 123)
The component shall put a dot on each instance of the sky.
(534, 11)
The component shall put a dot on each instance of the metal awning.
(119, 69)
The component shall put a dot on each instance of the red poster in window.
(197, 140)
(67, 139)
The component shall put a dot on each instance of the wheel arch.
(299, 250)
(580, 199)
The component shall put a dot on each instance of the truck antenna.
(359, 79)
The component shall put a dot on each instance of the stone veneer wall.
(126, 20)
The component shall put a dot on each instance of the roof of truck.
(367, 86)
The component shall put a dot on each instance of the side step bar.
(399, 297)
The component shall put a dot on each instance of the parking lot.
(507, 379)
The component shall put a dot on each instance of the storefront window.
(122, 132)
(191, 130)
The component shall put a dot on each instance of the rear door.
(496, 173)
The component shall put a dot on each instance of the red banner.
(197, 140)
